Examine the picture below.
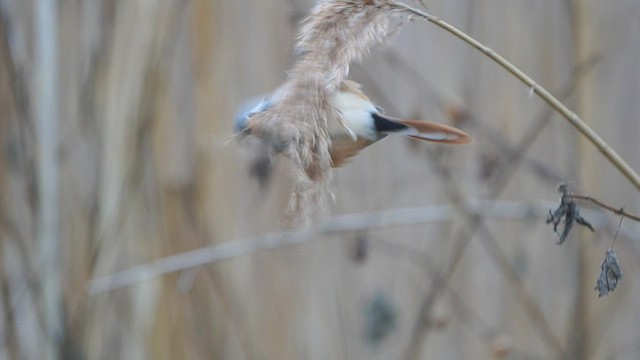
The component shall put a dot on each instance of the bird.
(359, 124)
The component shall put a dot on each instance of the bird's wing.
(422, 130)
(344, 148)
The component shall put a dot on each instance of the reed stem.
(611, 155)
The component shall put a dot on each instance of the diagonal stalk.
(613, 157)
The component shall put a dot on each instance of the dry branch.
(499, 210)
(397, 217)
(617, 211)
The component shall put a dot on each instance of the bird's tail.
(422, 130)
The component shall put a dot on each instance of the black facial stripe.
(385, 125)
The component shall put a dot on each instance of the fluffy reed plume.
(336, 33)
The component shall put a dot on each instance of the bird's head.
(249, 108)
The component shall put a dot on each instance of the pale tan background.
(147, 91)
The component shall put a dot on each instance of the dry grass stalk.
(497, 210)
(611, 155)
(336, 33)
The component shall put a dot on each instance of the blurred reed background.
(145, 93)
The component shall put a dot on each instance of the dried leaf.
(610, 274)
(569, 210)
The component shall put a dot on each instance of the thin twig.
(617, 230)
(617, 211)
(571, 116)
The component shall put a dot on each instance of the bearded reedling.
(358, 123)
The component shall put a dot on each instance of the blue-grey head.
(249, 108)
